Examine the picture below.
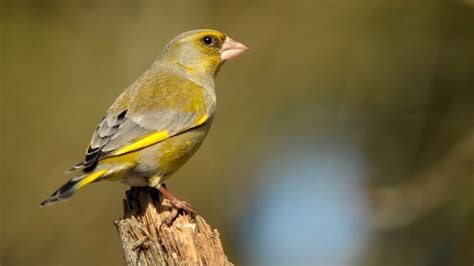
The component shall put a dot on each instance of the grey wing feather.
(140, 125)
(115, 132)
(107, 127)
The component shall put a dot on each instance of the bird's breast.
(166, 157)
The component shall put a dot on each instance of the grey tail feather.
(75, 167)
(64, 192)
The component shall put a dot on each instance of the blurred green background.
(345, 137)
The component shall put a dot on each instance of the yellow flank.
(144, 142)
(120, 165)
(91, 178)
(174, 152)
(126, 160)
(201, 120)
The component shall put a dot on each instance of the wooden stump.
(146, 240)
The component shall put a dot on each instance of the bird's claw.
(178, 206)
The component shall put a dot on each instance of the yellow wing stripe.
(201, 120)
(91, 178)
(153, 138)
(144, 142)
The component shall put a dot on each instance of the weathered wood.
(146, 240)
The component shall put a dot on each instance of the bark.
(146, 240)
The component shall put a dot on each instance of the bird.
(159, 121)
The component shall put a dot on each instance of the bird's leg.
(177, 205)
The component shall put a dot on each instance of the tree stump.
(146, 240)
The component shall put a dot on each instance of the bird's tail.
(73, 185)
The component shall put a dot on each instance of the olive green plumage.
(160, 120)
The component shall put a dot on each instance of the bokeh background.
(345, 137)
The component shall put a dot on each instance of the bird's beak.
(231, 49)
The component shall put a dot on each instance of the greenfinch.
(159, 121)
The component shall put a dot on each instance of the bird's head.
(201, 52)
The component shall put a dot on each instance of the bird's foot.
(177, 206)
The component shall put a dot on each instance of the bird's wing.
(145, 115)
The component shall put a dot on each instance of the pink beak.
(231, 49)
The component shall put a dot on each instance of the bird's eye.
(208, 40)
